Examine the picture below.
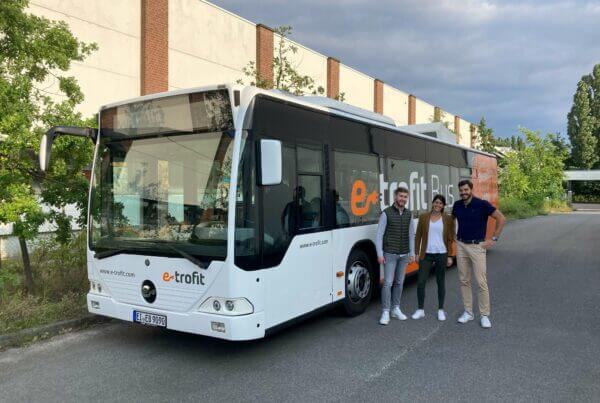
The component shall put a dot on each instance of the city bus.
(231, 211)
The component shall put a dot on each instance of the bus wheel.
(359, 283)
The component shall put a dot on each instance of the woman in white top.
(434, 245)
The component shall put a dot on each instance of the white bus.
(229, 211)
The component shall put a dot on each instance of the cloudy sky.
(515, 62)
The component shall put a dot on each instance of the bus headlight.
(97, 288)
(233, 306)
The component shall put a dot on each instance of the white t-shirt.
(435, 241)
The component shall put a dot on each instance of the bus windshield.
(161, 177)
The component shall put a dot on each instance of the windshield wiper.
(108, 253)
(196, 261)
(112, 252)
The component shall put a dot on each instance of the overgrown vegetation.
(50, 283)
(60, 287)
(286, 76)
(35, 53)
(531, 178)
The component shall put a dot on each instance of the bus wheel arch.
(361, 279)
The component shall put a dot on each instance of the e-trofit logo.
(193, 278)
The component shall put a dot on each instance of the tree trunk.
(26, 266)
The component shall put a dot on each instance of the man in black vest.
(395, 245)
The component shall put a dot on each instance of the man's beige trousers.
(473, 257)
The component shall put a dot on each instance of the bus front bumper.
(245, 327)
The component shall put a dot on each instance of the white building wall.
(448, 118)
(465, 133)
(395, 104)
(207, 45)
(357, 87)
(306, 62)
(112, 72)
(424, 112)
(476, 143)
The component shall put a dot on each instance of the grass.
(25, 312)
(60, 285)
(514, 208)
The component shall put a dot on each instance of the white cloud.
(515, 62)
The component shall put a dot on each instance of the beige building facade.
(147, 46)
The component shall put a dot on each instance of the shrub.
(533, 173)
(57, 270)
(60, 287)
(513, 207)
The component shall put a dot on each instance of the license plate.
(150, 319)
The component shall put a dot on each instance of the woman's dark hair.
(440, 198)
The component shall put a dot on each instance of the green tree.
(520, 144)
(535, 172)
(502, 142)
(33, 52)
(593, 82)
(285, 74)
(562, 146)
(581, 126)
(486, 137)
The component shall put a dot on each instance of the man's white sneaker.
(397, 313)
(441, 315)
(419, 313)
(465, 317)
(485, 322)
(385, 318)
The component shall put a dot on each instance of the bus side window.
(310, 185)
(310, 205)
(280, 214)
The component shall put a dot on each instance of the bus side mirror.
(271, 166)
(53, 133)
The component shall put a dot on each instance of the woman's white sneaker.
(465, 317)
(441, 315)
(385, 318)
(419, 313)
(485, 322)
(397, 313)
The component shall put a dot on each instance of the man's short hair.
(401, 189)
(465, 182)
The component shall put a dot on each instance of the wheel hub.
(359, 281)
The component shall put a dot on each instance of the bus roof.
(324, 104)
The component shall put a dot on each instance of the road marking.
(402, 353)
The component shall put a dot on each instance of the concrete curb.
(43, 332)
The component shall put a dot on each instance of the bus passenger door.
(295, 239)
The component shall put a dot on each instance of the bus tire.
(360, 283)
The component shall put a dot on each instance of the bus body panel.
(344, 240)
(302, 281)
(485, 184)
(246, 327)
(180, 285)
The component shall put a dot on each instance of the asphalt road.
(544, 281)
